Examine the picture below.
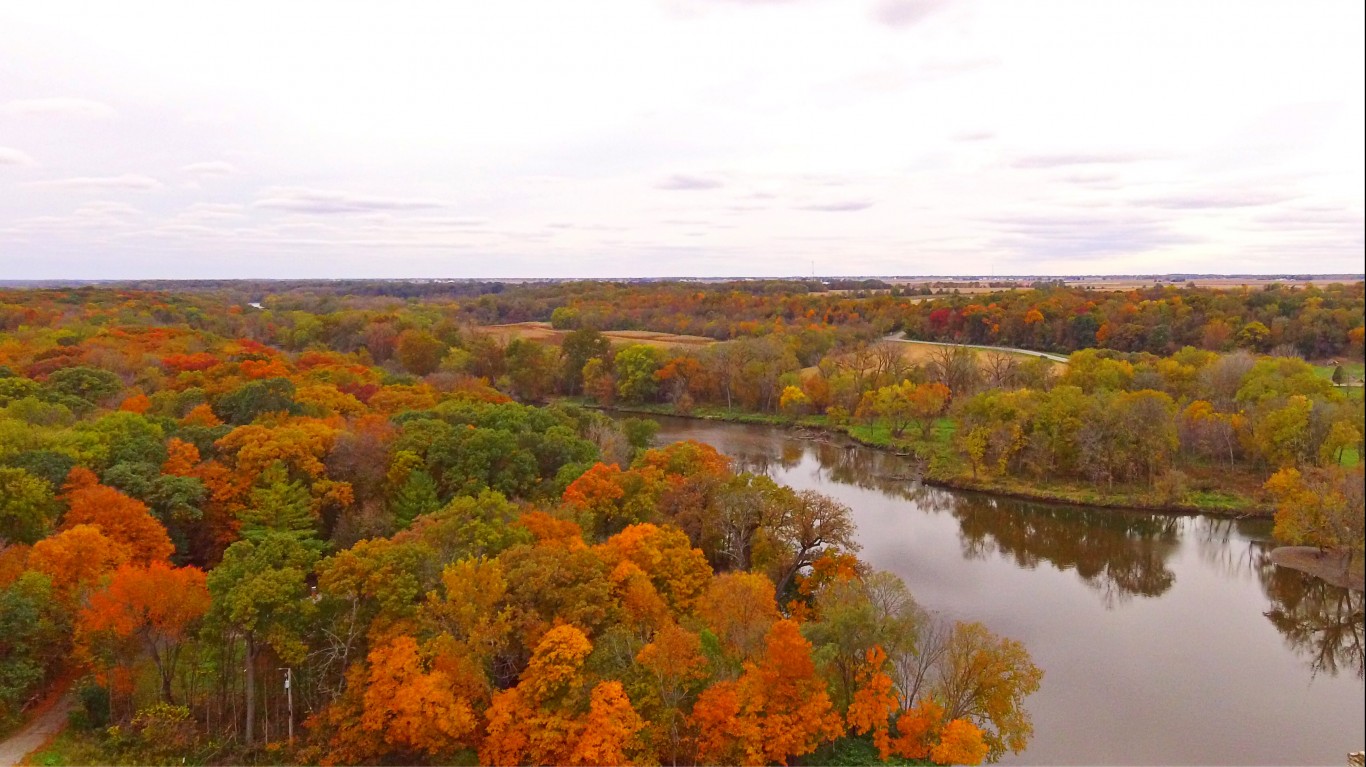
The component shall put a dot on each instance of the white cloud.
(10, 156)
(66, 107)
(321, 202)
(129, 181)
(906, 13)
(684, 182)
(210, 169)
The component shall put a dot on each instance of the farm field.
(543, 332)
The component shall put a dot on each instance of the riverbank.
(1209, 492)
(1326, 566)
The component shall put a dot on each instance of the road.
(1046, 355)
(14, 748)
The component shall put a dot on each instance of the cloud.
(1090, 179)
(213, 168)
(980, 135)
(328, 203)
(1077, 158)
(838, 206)
(906, 13)
(683, 182)
(9, 156)
(1312, 217)
(57, 106)
(1249, 199)
(134, 181)
(1083, 235)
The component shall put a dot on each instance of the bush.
(94, 706)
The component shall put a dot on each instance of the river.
(1164, 639)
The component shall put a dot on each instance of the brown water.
(1164, 639)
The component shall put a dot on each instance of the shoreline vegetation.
(939, 469)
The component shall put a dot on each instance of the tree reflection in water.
(1321, 622)
(1120, 554)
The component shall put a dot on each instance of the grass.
(1353, 370)
(70, 747)
(542, 332)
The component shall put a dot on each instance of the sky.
(703, 138)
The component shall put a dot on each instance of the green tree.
(27, 506)
(33, 633)
(636, 366)
(1254, 335)
(261, 596)
(415, 497)
(90, 384)
(255, 398)
(578, 348)
(279, 506)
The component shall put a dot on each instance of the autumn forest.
(430, 523)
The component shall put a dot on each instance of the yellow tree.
(985, 679)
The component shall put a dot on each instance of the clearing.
(544, 333)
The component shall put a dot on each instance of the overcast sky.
(680, 138)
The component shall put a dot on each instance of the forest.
(432, 528)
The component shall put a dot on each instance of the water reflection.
(1119, 554)
(1321, 623)
(1175, 608)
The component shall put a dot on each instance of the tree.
(32, 639)
(609, 733)
(415, 497)
(960, 742)
(777, 709)
(420, 352)
(675, 671)
(278, 506)
(255, 398)
(75, 559)
(1320, 507)
(739, 608)
(794, 401)
(538, 721)
(260, 595)
(985, 679)
(1254, 336)
(90, 384)
(678, 572)
(27, 506)
(636, 366)
(578, 348)
(156, 605)
(873, 704)
(812, 527)
(530, 370)
(125, 520)
(411, 709)
(854, 616)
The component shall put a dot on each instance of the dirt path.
(1008, 349)
(14, 748)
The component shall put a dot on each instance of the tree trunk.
(251, 689)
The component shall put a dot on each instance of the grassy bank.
(1197, 488)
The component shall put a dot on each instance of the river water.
(1164, 639)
